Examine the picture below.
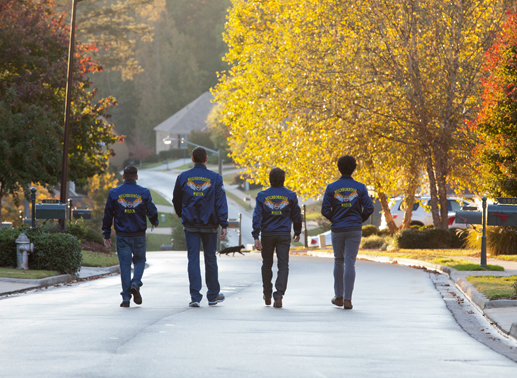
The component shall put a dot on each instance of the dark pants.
(209, 240)
(130, 249)
(282, 243)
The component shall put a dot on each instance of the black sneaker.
(194, 304)
(124, 304)
(135, 291)
(218, 299)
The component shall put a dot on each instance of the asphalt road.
(163, 182)
(399, 327)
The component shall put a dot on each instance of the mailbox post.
(483, 237)
(236, 224)
(33, 200)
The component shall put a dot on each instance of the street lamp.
(69, 84)
(220, 161)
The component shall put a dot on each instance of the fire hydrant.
(23, 248)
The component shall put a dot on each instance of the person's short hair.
(199, 155)
(277, 177)
(346, 164)
(130, 172)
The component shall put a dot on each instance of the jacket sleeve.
(177, 197)
(257, 218)
(326, 206)
(367, 205)
(152, 212)
(221, 206)
(296, 217)
(107, 220)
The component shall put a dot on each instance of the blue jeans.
(130, 249)
(346, 247)
(193, 240)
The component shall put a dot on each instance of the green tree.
(34, 43)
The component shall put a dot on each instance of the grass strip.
(158, 199)
(27, 274)
(494, 287)
(96, 259)
(241, 202)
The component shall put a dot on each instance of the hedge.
(428, 238)
(58, 251)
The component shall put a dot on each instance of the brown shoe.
(337, 302)
(267, 300)
(347, 305)
(278, 303)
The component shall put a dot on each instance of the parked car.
(421, 215)
(314, 241)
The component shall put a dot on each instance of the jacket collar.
(199, 165)
(130, 182)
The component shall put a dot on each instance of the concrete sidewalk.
(502, 313)
(14, 285)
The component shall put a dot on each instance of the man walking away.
(199, 199)
(129, 204)
(347, 205)
(275, 210)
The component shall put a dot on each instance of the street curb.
(54, 280)
(477, 298)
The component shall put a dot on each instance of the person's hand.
(107, 243)
(258, 245)
(224, 231)
(296, 238)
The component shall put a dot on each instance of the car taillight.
(451, 220)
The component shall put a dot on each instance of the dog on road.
(229, 250)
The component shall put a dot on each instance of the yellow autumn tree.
(390, 82)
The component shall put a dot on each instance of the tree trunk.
(409, 200)
(441, 181)
(432, 189)
(392, 227)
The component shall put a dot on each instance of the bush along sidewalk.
(52, 251)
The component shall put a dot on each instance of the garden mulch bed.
(94, 247)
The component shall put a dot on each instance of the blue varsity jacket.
(199, 198)
(346, 204)
(129, 204)
(276, 209)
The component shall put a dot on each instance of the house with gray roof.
(191, 118)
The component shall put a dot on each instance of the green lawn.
(169, 221)
(158, 199)
(494, 287)
(27, 274)
(466, 265)
(155, 241)
(96, 259)
(239, 200)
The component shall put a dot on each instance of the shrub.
(8, 246)
(499, 241)
(94, 236)
(427, 238)
(369, 230)
(372, 242)
(61, 252)
(383, 232)
(77, 229)
(323, 223)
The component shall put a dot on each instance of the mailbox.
(82, 213)
(502, 215)
(234, 223)
(50, 211)
(468, 217)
